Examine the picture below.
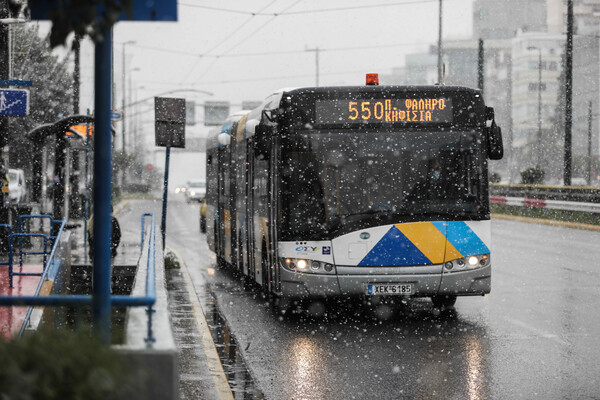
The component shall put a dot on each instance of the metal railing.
(549, 204)
(44, 274)
(87, 300)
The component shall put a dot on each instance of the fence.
(146, 300)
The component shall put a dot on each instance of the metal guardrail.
(44, 274)
(581, 194)
(549, 204)
(115, 300)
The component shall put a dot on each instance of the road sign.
(140, 10)
(14, 102)
(215, 112)
(169, 124)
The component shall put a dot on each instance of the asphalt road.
(537, 335)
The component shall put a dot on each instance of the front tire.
(265, 287)
(202, 224)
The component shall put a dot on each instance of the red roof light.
(372, 79)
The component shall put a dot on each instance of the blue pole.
(86, 207)
(163, 223)
(102, 187)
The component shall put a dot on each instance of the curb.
(210, 351)
(550, 222)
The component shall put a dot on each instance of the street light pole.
(123, 97)
(316, 50)
(439, 55)
(539, 132)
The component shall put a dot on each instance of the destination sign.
(417, 111)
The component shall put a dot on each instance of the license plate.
(389, 288)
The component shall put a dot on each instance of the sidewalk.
(201, 374)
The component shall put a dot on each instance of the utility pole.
(568, 94)
(439, 61)
(76, 73)
(480, 67)
(589, 155)
(316, 50)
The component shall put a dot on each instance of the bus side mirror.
(495, 147)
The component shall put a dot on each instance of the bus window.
(332, 180)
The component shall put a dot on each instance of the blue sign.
(15, 82)
(116, 115)
(142, 10)
(14, 102)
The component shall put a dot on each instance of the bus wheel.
(202, 224)
(266, 290)
(282, 304)
(443, 301)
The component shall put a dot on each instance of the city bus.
(371, 190)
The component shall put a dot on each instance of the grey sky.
(356, 37)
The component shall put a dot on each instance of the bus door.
(274, 196)
(233, 166)
(249, 243)
(224, 212)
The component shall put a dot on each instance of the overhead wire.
(233, 32)
(278, 53)
(245, 38)
(284, 13)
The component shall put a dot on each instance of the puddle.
(238, 376)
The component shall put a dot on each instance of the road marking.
(210, 351)
(538, 332)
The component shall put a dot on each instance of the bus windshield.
(335, 182)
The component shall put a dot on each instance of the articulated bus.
(356, 191)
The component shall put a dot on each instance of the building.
(536, 67)
(493, 19)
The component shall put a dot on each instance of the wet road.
(537, 335)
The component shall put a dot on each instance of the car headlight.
(307, 266)
(467, 263)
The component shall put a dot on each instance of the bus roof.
(212, 140)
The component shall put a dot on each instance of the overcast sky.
(260, 46)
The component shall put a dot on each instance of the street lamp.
(123, 96)
(539, 133)
(129, 97)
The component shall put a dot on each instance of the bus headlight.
(307, 266)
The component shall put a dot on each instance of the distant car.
(17, 188)
(195, 191)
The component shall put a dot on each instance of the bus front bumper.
(349, 282)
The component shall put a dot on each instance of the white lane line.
(538, 332)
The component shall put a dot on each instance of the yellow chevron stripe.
(239, 135)
(429, 240)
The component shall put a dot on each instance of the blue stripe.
(226, 127)
(464, 239)
(394, 249)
